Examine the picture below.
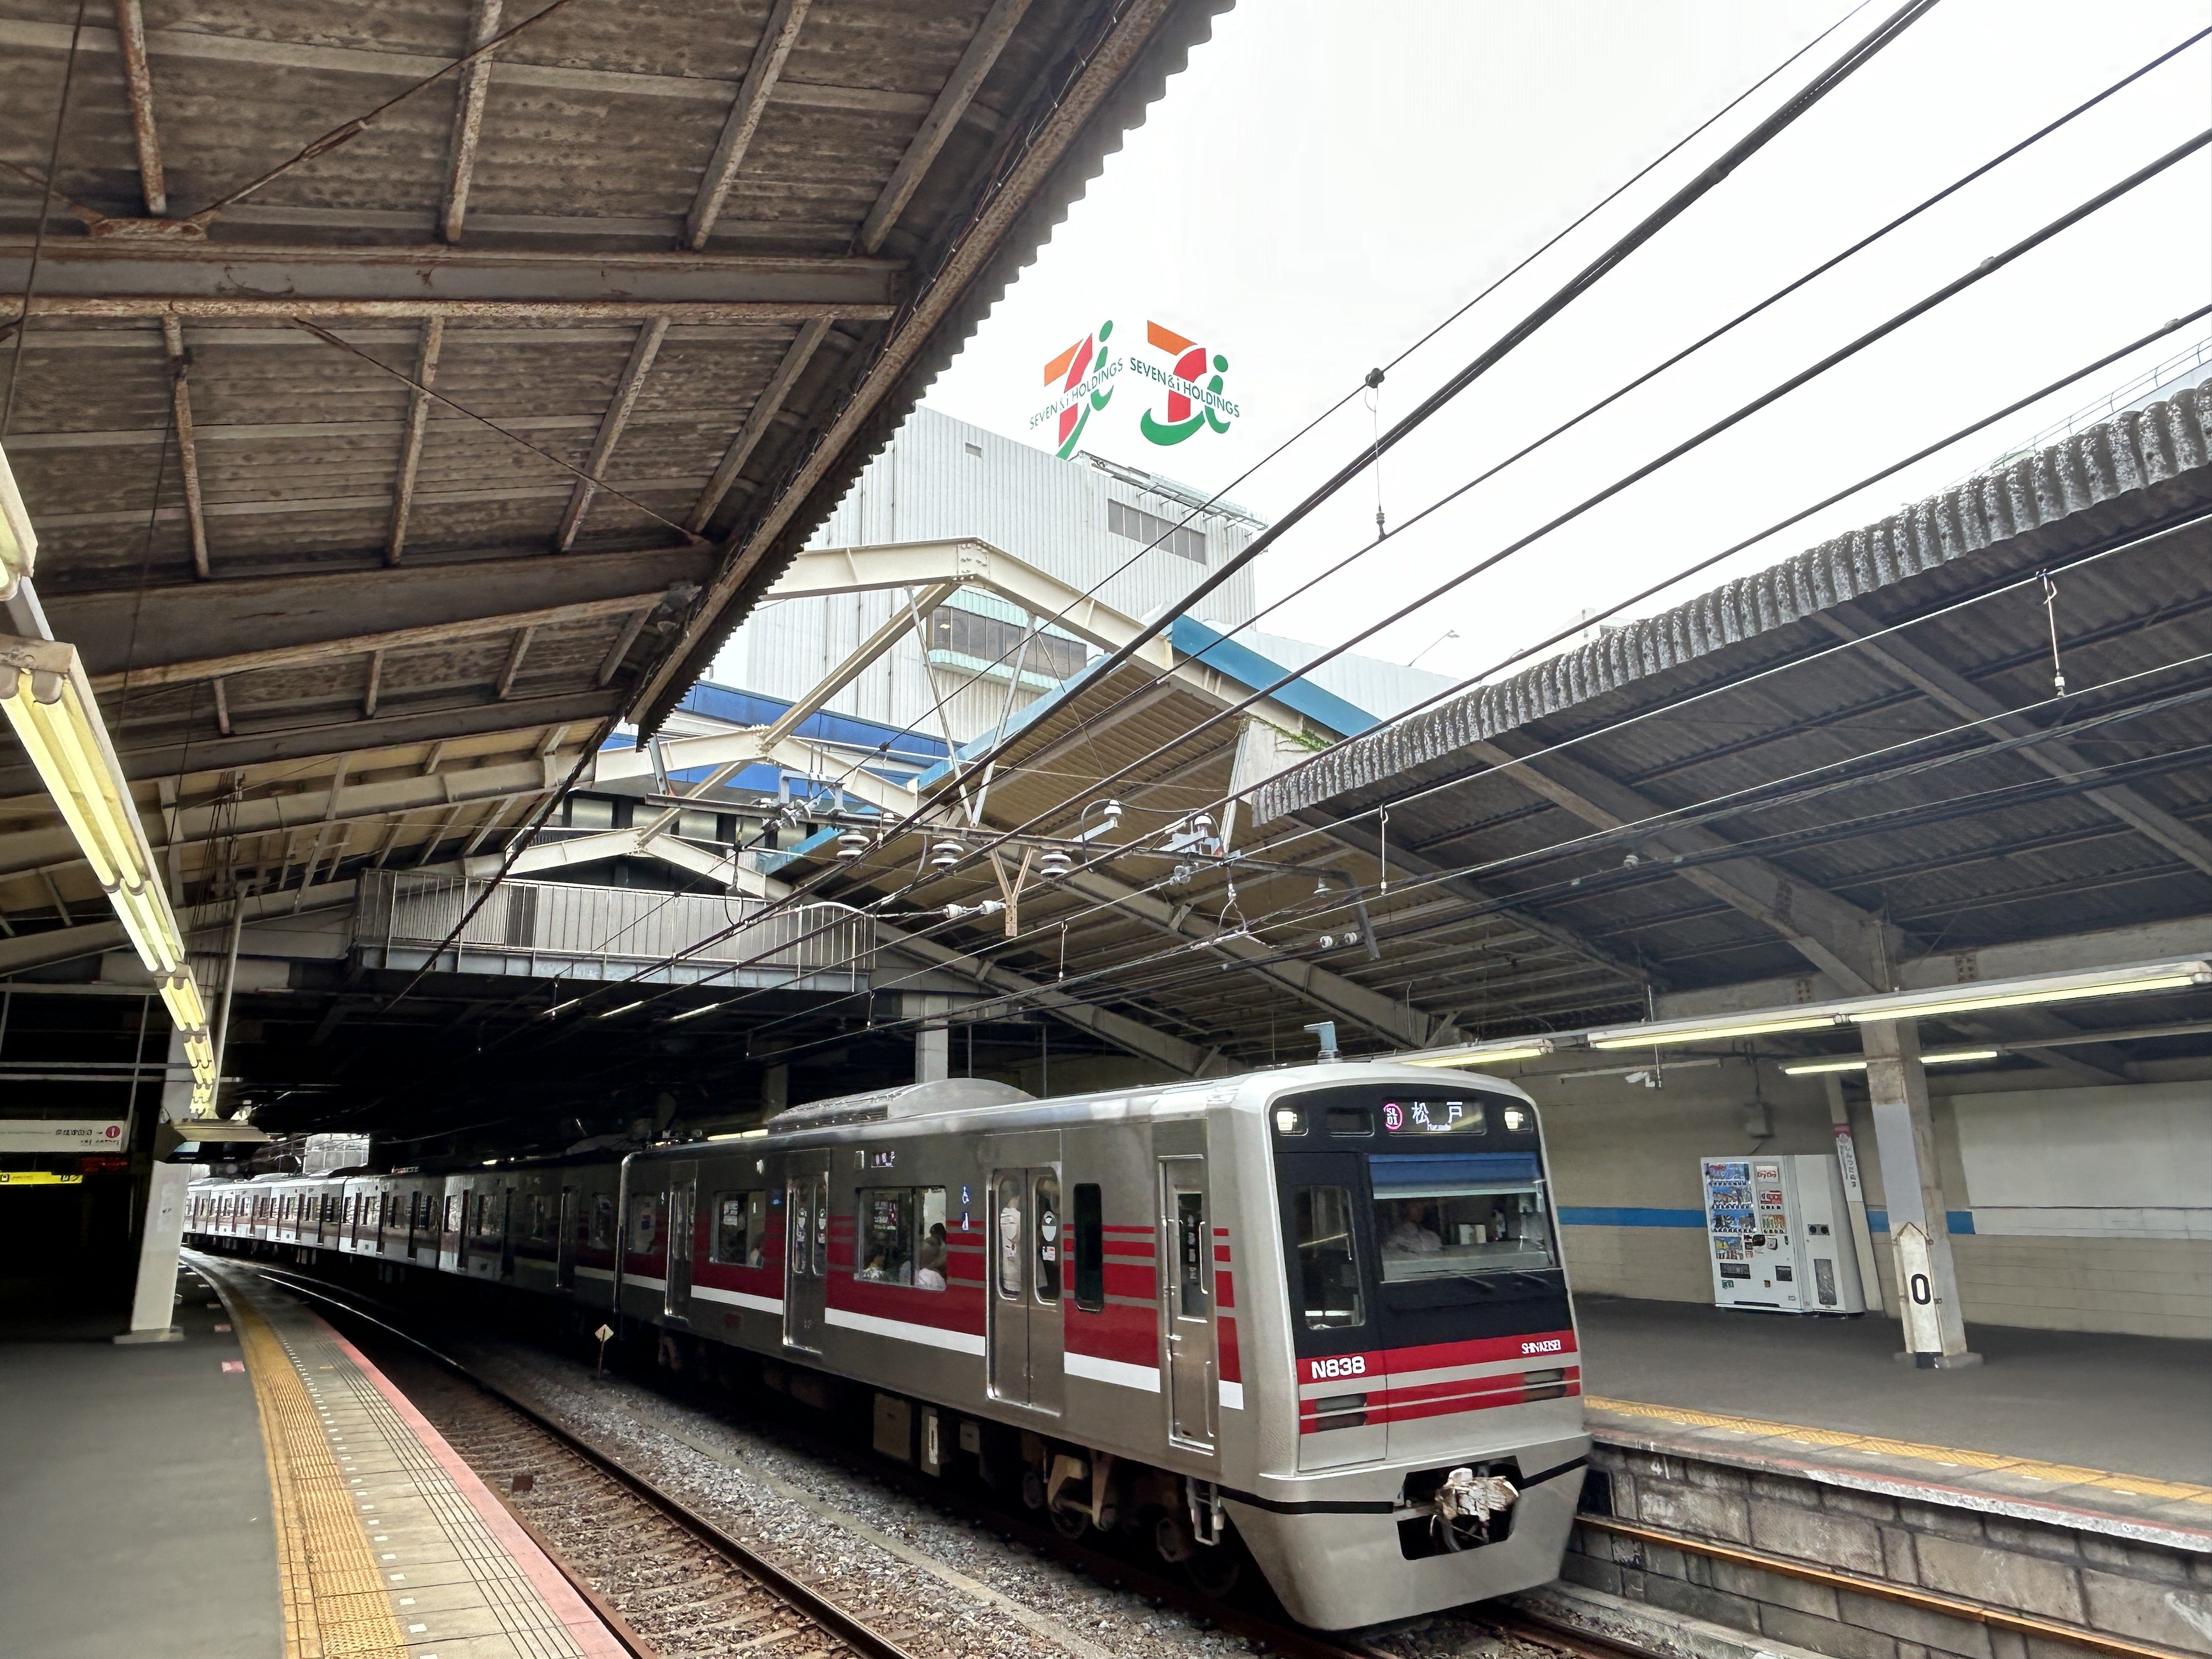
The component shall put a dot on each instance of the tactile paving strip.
(352, 1477)
(333, 1601)
(2132, 1485)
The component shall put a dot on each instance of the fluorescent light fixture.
(624, 1009)
(19, 542)
(491, 1163)
(560, 1007)
(694, 1013)
(1663, 1033)
(1947, 1057)
(2036, 992)
(49, 703)
(1480, 1053)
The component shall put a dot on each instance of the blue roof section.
(726, 702)
(1248, 667)
(1194, 639)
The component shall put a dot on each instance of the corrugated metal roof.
(2137, 450)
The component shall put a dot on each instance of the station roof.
(304, 465)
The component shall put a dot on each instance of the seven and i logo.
(1191, 382)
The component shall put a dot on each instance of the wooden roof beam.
(778, 35)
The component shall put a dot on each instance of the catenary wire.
(1949, 290)
(1958, 285)
(1304, 914)
(1094, 717)
(1680, 202)
(2130, 544)
(2006, 411)
(523, 841)
(2083, 777)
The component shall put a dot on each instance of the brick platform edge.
(2158, 1593)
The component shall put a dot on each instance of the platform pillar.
(1912, 1187)
(153, 1301)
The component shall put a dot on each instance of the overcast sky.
(1328, 180)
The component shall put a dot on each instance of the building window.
(976, 450)
(1138, 525)
(990, 640)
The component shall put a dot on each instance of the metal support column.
(153, 1302)
(1912, 1185)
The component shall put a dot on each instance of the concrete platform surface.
(134, 1497)
(387, 1543)
(2135, 1404)
(2114, 1432)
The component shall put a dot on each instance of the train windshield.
(1440, 1216)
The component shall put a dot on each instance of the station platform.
(257, 1489)
(2111, 1434)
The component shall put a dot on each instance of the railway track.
(669, 1580)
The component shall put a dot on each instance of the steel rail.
(1266, 1635)
(1269, 1636)
(832, 1617)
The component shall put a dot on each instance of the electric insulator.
(852, 843)
(946, 854)
(1055, 864)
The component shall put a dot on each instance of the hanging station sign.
(1186, 395)
(62, 1134)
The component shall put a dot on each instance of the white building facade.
(1085, 521)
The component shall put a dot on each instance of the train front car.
(1429, 1448)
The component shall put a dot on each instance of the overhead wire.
(2012, 408)
(1979, 273)
(1773, 125)
(1695, 346)
(1680, 202)
(46, 208)
(1949, 290)
(1713, 809)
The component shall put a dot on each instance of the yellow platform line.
(2063, 1475)
(334, 1601)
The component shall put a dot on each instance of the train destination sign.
(1432, 1117)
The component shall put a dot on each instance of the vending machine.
(1780, 1235)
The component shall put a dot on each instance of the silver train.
(1315, 1315)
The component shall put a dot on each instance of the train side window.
(740, 1228)
(645, 1223)
(1088, 1220)
(1010, 1238)
(602, 1235)
(1329, 1262)
(1048, 1236)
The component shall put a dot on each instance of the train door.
(683, 1202)
(806, 1251)
(564, 1245)
(1028, 1255)
(510, 1215)
(1186, 1251)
